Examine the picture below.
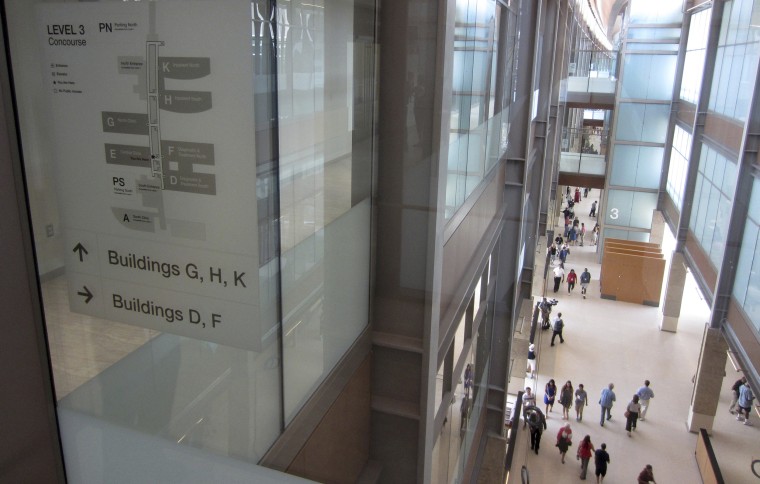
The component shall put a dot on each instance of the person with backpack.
(557, 328)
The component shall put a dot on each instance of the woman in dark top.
(550, 391)
(564, 440)
(566, 399)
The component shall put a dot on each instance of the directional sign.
(151, 113)
(86, 293)
(79, 248)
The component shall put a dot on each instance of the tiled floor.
(618, 342)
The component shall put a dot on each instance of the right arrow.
(86, 293)
(80, 248)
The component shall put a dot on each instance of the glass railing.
(584, 151)
(593, 71)
(593, 64)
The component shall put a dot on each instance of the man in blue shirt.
(745, 403)
(606, 400)
(645, 394)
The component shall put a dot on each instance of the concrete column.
(671, 308)
(657, 233)
(708, 381)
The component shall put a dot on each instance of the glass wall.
(482, 85)
(736, 60)
(642, 115)
(747, 280)
(470, 353)
(695, 55)
(641, 12)
(629, 208)
(324, 166)
(711, 206)
(679, 164)
(200, 197)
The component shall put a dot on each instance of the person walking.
(582, 232)
(595, 234)
(735, 393)
(537, 424)
(581, 400)
(645, 395)
(532, 360)
(572, 278)
(601, 459)
(585, 280)
(572, 234)
(550, 391)
(647, 475)
(528, 399)
(559, 275)
(745, 403)
(564, 251)
(577, 198)
(584, 453)
(552, 253)
(557, 328)
(564, 440)
(592, 213)
(632, 414)
(566, 399)
(606, 400)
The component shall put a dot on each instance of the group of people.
(578, 399)
(742, 398)
(536, 420)
(635, 410)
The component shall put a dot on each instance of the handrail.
(706, 461)
(515, 427)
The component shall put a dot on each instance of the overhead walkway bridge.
(591, 85)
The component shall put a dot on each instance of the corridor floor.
(621, 343)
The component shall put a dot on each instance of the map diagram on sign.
(169, 164)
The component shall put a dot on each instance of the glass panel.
(729, 179)
(161, 329)
(641, 210)
(646, 47)
(619, 206)
(668, 11)
(749, 251)
(662, 77)
(636, 76)
(712, 211)
(656, 119)
(648, 77)
(630, 121)
(754, 201)
(752, 301)
(649, 167)
(653, 34)
(325, 222)
(624, 164)
(704, 196)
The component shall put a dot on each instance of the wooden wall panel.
(632, 272)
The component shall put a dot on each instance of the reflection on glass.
(480, 97)
(325, 84)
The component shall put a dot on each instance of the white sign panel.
(151, 116)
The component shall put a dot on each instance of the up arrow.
(86, 293)
(80, 248)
